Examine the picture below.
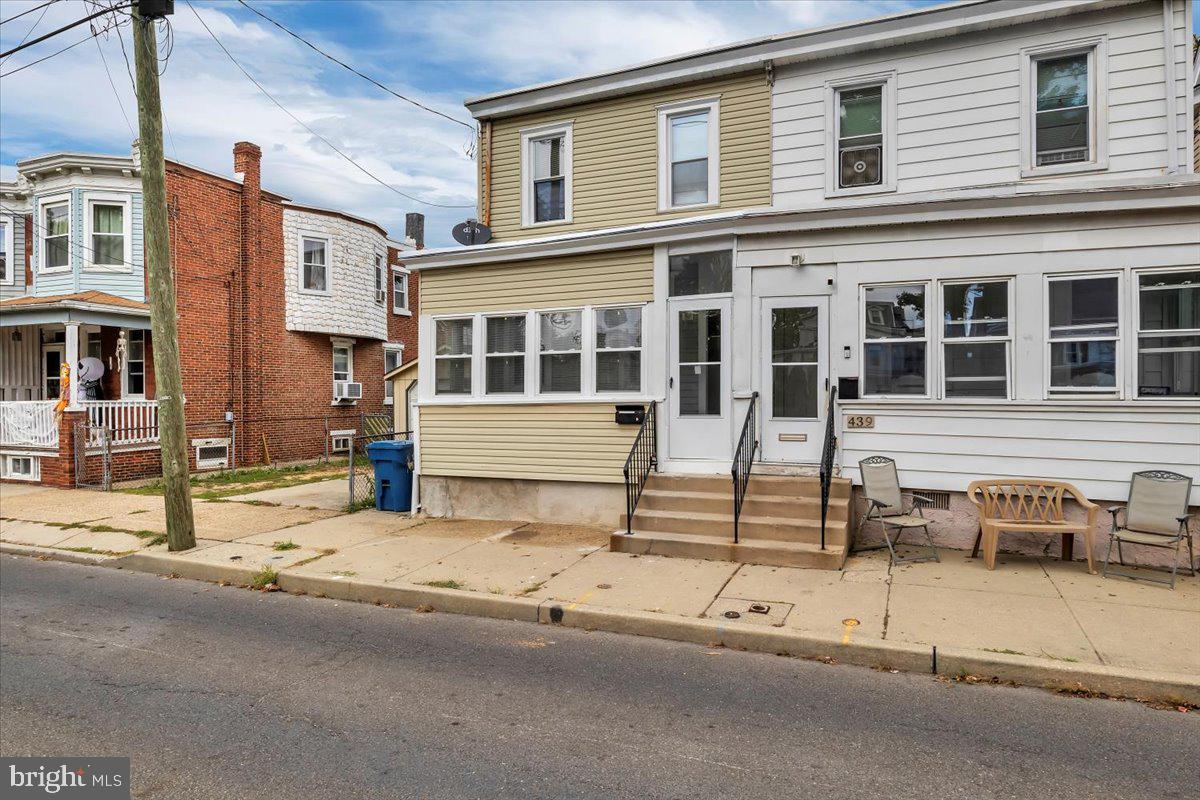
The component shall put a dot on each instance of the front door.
(699, 383)
(52, 359)
(795, 377)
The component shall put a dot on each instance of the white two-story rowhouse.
(979, 222)
(336, 277)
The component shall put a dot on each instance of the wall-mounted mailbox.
(847, 388)
(630, 415)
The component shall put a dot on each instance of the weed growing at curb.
(265, 579)
(528, 590)
(446, 584)
(288, 545)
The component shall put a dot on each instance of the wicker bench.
(1027, 507)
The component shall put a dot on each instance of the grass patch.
(359, 505)
(157, 539)
(288, 545)
(531, 588)
(92, 551)
(446, 584)
(264, 577)
(218, 485)
(1003, 651)
(345, 573)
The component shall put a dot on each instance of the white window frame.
(342, 441)
(328, 240)
(41, 230)
(930, 340)
(125, 393)
(1097, 49)
(1118, 390)
(7, 241)
(597, 350)
(887, 82)
(472, 361)
(1137, 333)
(211, 463)
(524, 354)
(388, 386)
(585, 351)
(402, 274)
(91, 199)
(381, 278)
(943, 339)
(342, 344)
(528, 137)
(6, 467)
(666, 113)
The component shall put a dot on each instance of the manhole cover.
(732, 615)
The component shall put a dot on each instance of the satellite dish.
(90, 369)
(471, 232)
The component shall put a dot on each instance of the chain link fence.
(361, 489)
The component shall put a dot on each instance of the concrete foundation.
(569, 502)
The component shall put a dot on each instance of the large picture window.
(975, 339)
(505, 358)
(894, 340)
(561, 346)
(1084, 333)
(452, 356)
(619, 349)
(1168, 338)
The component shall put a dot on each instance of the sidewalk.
(1032, 620)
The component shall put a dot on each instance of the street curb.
(951, 662)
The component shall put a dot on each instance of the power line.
(111, 82)
(341, 63)
(58, 52)
(32, 27)
(27, 11)
(70, 244)
(64, 28)
(298, 121)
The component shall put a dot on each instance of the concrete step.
(720, 526)
(774, 485)
(768, 553)
(780, 506)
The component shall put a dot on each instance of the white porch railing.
(131, 421)
(28, 423)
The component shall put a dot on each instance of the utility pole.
(181, 529)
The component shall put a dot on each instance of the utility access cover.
(753, 612)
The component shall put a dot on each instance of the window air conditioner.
(347, 390)
(862, 166)
(381, 295)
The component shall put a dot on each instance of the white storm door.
(795, 377)
(699, 384)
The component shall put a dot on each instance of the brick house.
(287, 317)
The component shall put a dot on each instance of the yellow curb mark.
(582, 598)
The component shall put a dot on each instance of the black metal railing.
(827, 453)
(743, 460)
(643, 459)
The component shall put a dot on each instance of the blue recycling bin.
(393, 464)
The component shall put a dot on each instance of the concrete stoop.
(691, 516)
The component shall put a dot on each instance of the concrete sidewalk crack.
(1071, 611)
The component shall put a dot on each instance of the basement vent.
(211, 453)
(941, 500)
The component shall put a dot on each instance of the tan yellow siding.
(616, 156)
(562, 442)
(608, 277)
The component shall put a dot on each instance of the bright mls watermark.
(84, 778)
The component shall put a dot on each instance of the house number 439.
(860, 422)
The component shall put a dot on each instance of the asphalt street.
(219, 692)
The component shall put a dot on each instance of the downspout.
(485, 172)
(1170, 79)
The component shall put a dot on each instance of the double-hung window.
(1064, 118)
(399, 292)
(546, 174)
(1168, 338)
(55, 227)
(618, 349)
(860, 132)
(452, 356)
(560, 344)
(504, 361)
(689, 158)
(135, 363)
(380, 280)
(393, 354)
(1084, 333)
(314, 264)
(976, 332)
(107, 235)
(6, 250)
(343, 363)
(894, 340)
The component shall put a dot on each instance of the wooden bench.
(1027, 507)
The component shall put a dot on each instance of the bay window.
(560, 343)
(504, 360)
(618, 349)
(1084, 333)
(453, 348)
(894, 340)
(56, 236)
(106, 226)
(1168, 336)
(688, 155)
(975, 339)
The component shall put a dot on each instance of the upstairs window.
(106, 227)
(561, 348)
(688, 155)
(6, 248)
(860, 137)
(546, 174)
(380, 277)
(314, 264)
(894, 340)
(1084, 333)
(1168, 356)
(56, 236)
(452, 356)
(1064, 118)
(399, 292)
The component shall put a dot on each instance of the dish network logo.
(52, 781)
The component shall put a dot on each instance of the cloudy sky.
(436, 52)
